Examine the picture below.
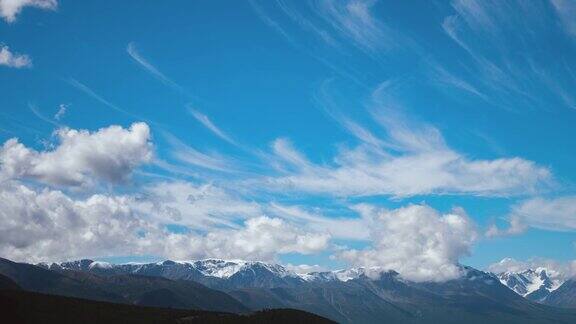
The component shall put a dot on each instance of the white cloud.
(80, 157)
(516, 226)
(14, 60)
(366, 170)
(62, 108)
(48, 225)
(261, 13)
(554, 269)
(354, 20)
(84, 88)
(283, 149)
(492, 32)
(198, 206)
(208, 206)
(41, 116)
(417, 242)
(408, 158)
(192, 157)
(150, 68)
(308, 25)
(263, 238)
(204, 120)
(9, 9)
(551, 214)
(234, 227)
(554, 214)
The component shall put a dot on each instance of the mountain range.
(351, 295)
(357, 295)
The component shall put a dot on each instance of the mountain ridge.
(348, 296)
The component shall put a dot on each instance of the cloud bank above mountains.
(554, 269)
(44, 216)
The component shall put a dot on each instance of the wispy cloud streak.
(150, 68)
(41, 116)
(205, 120)
(84, 88)
(193, 157)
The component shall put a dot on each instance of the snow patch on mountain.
(227, 268)
(529, 281)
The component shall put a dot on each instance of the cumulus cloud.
(417, 242)
(80, 157)
(49, 225)
(554, 269)
(262, 238)
(13, 60)
(9, 9)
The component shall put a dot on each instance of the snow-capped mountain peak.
(227, 268)
(534, 284)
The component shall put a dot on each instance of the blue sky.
(333, 118)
